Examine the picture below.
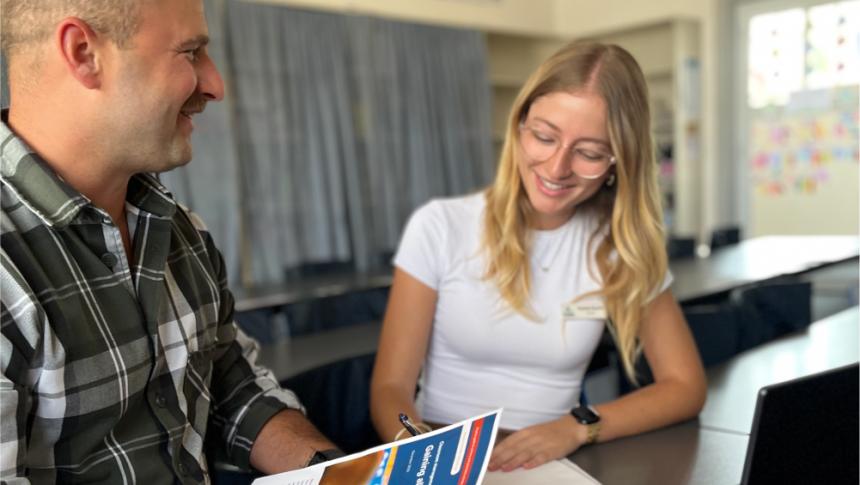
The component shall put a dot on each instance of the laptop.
(806, 431)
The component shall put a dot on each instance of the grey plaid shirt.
(117, 371)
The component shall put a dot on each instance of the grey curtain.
(296, 136)
(345, 124)
(427, 120)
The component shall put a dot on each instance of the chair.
(337, 399)
(716, 331)
(681, 247)
(342, 300)
(352, 307)
(266, 325)
(642, 370)
(725, 236)
(323, 268)
(771, 309)
(383, 260)
(604, 357)
(725, 325)
(748, 317)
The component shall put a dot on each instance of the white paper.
(551, 473)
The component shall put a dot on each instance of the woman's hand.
(533, 446)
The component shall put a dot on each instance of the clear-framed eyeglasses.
(589, 161)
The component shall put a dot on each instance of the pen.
(404, 419)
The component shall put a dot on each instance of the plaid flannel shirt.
(117, 371)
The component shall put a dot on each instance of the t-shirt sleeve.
(667, 281)
(668, 278)
(422, 245)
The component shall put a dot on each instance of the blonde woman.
(502, 296)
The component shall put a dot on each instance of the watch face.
(585, 414)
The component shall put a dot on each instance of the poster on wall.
(794, 147)
(802, 97)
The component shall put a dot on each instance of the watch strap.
(325, 455)
(593, 433)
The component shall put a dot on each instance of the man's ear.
(78, 46)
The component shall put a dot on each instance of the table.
(681, 454)
(727, 268)
(309, 289)
(733, 386)
(758, 259)
(712, 448)
(296, 355)
(747, 262)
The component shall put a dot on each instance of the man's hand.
(533, 446)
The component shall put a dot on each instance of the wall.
(511, 60)
(831, 210)
(560, 18)
(577, 18)
(529, 17)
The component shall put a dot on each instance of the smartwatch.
(588, 416)
(325, 455)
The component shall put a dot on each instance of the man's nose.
(210, 83)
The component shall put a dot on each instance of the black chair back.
(725, 236)
(681, 247)
(769, 310)
(337, 400)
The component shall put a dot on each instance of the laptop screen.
(806, 430)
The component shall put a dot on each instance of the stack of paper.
(552, 473)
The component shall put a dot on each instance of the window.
(799, 49)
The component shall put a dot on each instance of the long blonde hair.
(631, 256)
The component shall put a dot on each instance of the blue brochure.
(454, 455)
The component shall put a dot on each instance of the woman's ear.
(610, 181)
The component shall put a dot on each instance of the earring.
(611, 180)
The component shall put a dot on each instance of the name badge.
(590, 309)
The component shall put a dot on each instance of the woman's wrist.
(578, 432)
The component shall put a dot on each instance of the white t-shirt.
(482, 355)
